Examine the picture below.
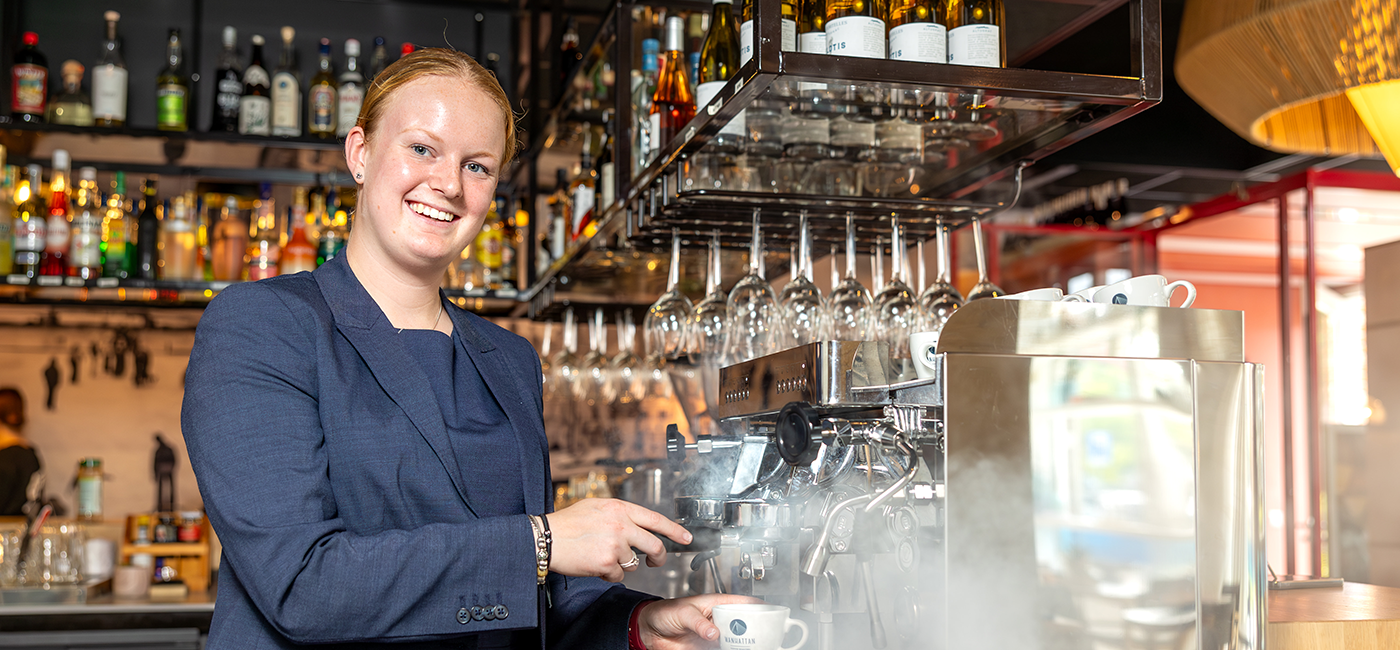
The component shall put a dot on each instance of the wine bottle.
(85, 247)
(583, 189)
(378, 58)
(918, 30)
(856, 28)
(31, 226)
(672, 105)
(607, 169)
(811, 26)
(351, 95)
(115, 230)
(255, 106)
(147, 258)
(789, 29)
(286, 91)
(71, 106)
(719, 61)
(228, 86)
(60, 219)
(974, 33)
(643, 87)
(320, 97)
(109, 78)
(172, 88)
(29, 82)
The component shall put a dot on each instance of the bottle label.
(654, 135)
(90, 496)
(30, 84)
(170, 106)
(109, 93)
(86, 248)
(978, 45)
(861, 36)
(705, 93)
(321, 101)
(352, 96)
(922, 42)
(230, 92)
(31, 235)
(255, 115)
(584, 198)
(811, 43)
(256, 76)
(607, 184)
(789, 36)
(286, 99)
(58, 234)
(489, 248)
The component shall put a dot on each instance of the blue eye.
(419, 149)
(476, 168)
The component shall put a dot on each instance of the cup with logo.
(756, 626)
(1149, 290)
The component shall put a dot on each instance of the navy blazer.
(326, 470)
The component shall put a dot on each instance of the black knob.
(796, 422)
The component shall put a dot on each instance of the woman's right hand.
(595, 537)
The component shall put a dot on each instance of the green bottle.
(115, 230)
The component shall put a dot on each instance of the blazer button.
(489, 612)
(502, 612)
(478, 614)
(464, 616)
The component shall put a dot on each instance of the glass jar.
(190, 527)
(90, 489)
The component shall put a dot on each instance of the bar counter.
(106, 612)
(1354, 617)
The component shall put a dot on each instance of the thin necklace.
(435, 320)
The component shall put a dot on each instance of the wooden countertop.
(1355, 617)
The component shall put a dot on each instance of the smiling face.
(429, 171)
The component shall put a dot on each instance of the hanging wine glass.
(804, 315)
(668, 320)
(849, 306)
(546, 367)
(941, 298)
(984, 287)
(566, 373)
(707, 332)
(897, 313)
(753, 329)
(625, 385)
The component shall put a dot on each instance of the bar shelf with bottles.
(922, 140)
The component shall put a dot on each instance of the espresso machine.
(1071, 475)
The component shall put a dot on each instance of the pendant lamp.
(1318, 77)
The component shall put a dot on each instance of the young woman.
(373, 458)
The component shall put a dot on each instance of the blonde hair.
(436, 62)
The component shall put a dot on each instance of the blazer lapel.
(363, 323)
(514, 400)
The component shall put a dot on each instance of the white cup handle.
(1074, 297)
(788, 626)
(1190, 292)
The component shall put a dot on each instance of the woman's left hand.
(684, 623)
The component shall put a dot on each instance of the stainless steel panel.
(1092, 330)
(821, 374)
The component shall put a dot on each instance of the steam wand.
(877, 627)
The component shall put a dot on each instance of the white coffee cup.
(1088, 294)
(1050, 294)
(756, 626)
(1148, 290)
(922, 345)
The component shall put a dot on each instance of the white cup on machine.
(755, 627)
(921, 348)
(1147, 290)
(1050, 294)
(1088, 294)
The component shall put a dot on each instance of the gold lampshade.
(1298, 76)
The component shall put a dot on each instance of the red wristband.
(634, 631)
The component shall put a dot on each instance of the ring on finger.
(632, 563)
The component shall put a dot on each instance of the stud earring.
(359, 176)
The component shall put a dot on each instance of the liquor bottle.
(172, 88)
(255, 106)
(228, 86)
(72, 106)
(789, 29)
(321, 116)
(856, 28)
(974, 33)
(109, 78)
(60, 219)
(490, 245)
(352, 90)
(583, 188)
(719, 61)
(672, 105)
(298, 213)
(31, 226)
(29, 81)
(7, 211)
(560, 208)
(299, 254)
(265, 248)
(115, 231)
(607, 169)
(179, 249)
(145, 263)
(85, 250)
(811, 26)
(286, 91)
(570, 56)
(643, 87)
(918, 30)
(334, 231)
(378, 58)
